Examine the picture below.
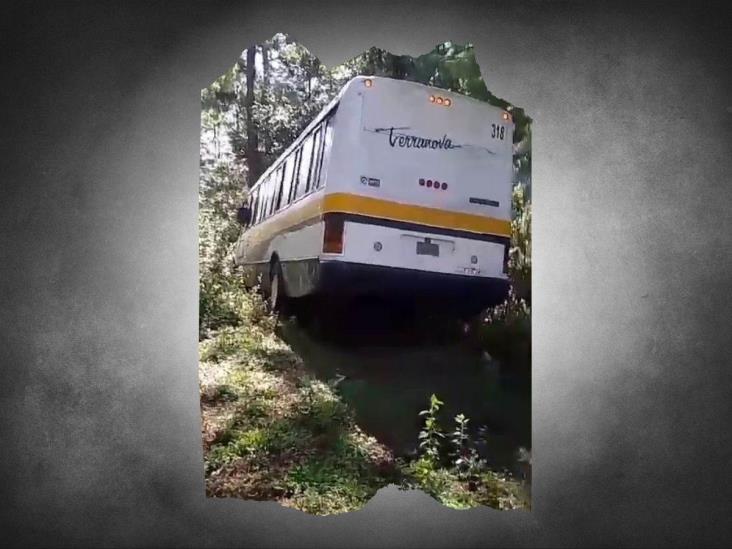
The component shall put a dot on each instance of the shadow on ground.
(387, 362)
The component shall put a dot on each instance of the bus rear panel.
(418, 198)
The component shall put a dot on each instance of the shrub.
(431, 434)
(519, 257)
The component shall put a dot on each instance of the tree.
(252, 149)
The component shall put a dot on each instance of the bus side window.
(275, 192)
(317, 158)
(252, 209)
(260, 203)
(327, 142)
(304, 169)
(264, 191)
(271, 195)
(279, 203)
(287, 180)
(314, 139)
(295, 171)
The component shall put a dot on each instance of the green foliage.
(220, 288)
(519, 260)
(236, 444)
(466, 461)
(467, 481)
(430, 435)
(320, 407)
(505, 330)
(459, 437)
(341, 479)
(226, 304)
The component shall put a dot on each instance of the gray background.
(101, 431)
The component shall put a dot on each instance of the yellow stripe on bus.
(375, 207)
(311, 208)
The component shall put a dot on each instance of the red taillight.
(333, 234)
(432, 184)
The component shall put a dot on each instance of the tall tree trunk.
(266, 86)
(217, 146)
(265, 65)
(252, 149)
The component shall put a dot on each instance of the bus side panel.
(298, 251)
(293, 235)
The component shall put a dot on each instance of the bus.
(396, 190)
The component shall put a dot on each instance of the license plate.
(428, 248)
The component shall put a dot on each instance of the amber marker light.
(333, 233)
(432, 98)
(448, 102)
(368, 82)
(506, 116)
(439, 100)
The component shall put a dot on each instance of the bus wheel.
(277, 293)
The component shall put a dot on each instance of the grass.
(489, 488)
(271, 431)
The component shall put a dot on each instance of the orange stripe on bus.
(311, 209)
(375, 207)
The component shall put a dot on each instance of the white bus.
(396, 189)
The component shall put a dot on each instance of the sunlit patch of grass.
(282, 434)
(342, 477)
(490, 488)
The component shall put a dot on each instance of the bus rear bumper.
(340, 278)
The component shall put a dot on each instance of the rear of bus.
(418, 200)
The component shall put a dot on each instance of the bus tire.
(277, 294)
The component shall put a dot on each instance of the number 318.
(498, 131)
